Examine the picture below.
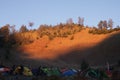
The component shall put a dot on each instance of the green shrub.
(51, 37)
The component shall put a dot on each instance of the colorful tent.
(69, 73)
(51, 71)
(55, 71)
(96, 74)
(25, 71)
(4, 69)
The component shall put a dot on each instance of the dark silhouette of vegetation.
(103, 25)
(7, 55)
(84, 65)
(110, 23)
(31, 24)
(80, 21)
(23, 29)
(5, 32)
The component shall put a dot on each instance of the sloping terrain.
(51, 49)
(107, 50)
(96, 49)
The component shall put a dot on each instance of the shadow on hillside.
(107, 51)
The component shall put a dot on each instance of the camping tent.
(69, 73)
(4, 69)
(26, 71)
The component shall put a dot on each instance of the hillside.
(96, 49)
(50, 49)
(69, 51)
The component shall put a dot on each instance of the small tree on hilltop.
(23, 28)
(100, 25)
(70, 21)
(80, 21)
(105, 25)
(31, 24)
(110, 23)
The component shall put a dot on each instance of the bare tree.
(70, 21)
(12, 29)
(5, 31)
(23, 28)
(110, 23)
(100, 25)
(80, 21)
(31, 24)
(105, 25)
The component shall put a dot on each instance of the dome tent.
(23, 71)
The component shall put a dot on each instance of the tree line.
(104, 27)
(9, 36)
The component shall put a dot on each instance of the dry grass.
(64, 51)
(45, 48)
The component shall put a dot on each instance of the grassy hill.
(96, 49)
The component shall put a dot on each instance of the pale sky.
(52, 12)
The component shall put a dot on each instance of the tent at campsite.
(53, 71)
(23, 71)
(4, 70)
(27, 72)
(92, 73)
(70, 72)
